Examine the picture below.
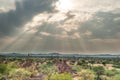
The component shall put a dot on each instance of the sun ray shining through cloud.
(13, 42)
(60, 25)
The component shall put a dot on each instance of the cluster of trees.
(58, 69)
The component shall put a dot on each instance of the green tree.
(99, 70)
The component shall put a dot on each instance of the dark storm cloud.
(25, 10)
(102, 25)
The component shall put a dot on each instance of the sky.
(66, 26)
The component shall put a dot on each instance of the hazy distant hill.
(12, 54)
(58, 55)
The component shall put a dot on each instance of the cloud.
(25, 9)
(102, 25)
(96, 6)
(6, 5)
(38, 25)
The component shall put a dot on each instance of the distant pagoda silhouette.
(27, 62)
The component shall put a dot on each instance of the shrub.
(116, 66)
(61, 77)
(86, 74)
(3, 68)
(19, 74)
(111, 72)
(117, 77)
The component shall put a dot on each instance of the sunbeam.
(59, 25)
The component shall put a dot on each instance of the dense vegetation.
(59, 68)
